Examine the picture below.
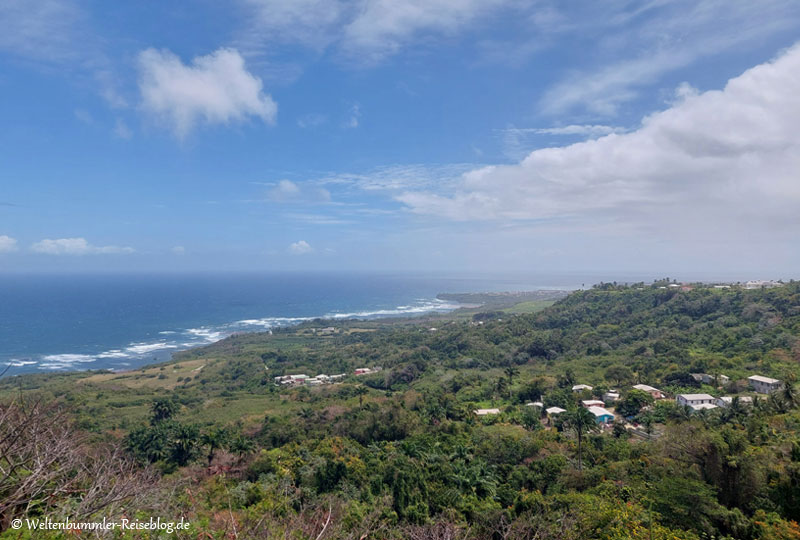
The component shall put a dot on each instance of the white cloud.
(301, 247)
(382, 27)
(355, 117)
(122, 130)
(76, 246)
(366, 31)
(401, 177)
(518, 142)
(178, 250)
(214, 89)
(718, 162)
(288, 191)
(309, 121)
(588, 130)
(7, 244)
(663, 37)
(45, 30)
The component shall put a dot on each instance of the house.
(695, 399)
(535, 404)
(581, 387)
(726, 401)
(362, 371)
(588, 403)
(485, 412)
(702, 407)
(764, 385)
(554, 411)
(655, 392)
(291, 379)
(611, 396)
(762, 284)
(705, 378)
(601, 415)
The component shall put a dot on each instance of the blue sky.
(457, 136)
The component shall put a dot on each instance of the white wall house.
(587, 403)
(581, 387)
(764, 385)
(695, 399)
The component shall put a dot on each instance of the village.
(604, 409)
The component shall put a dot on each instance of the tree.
(633, 402)
(789, 392)
(241, 446)
(581, 421)
(214, 440)
(162, 409)
(511, 372)
(619, 374)
(361, 391)
(48, 465)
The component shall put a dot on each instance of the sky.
(425, 135)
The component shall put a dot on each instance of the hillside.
(398, 452)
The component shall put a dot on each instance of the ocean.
(119, 322)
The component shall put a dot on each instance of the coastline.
(139, 354)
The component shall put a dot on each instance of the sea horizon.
(120, 321)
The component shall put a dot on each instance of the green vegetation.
(399, 453)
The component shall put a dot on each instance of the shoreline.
(141, 354)
(138, 355)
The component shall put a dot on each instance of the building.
(764, 385)
(554, 411)
(362, 371)
(535, 404)
(485, 412)
(587, 403)
(602, 415)
(762, 284)
(702, 407)
(705, 378)
(291, 379)
(581, 387)
(611, 396)
(726, 401)
(655, 392)
(695, 399)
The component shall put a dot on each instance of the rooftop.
(759, 378)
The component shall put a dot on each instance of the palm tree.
(789, 392)
(214, 439)
(581, 421)
(241, 446)
(361, 391)
(511, 372)
(162, 409)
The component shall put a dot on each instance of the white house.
(705, 378)
(484, 412)
(553, 411)
(581, 387)
(655, 392)
(764, 385)
(587, 403)
(702, 407)
(611, 396)
(695, 399)
(535, 404)
(726, 401)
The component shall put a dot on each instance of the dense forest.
(399, 452)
